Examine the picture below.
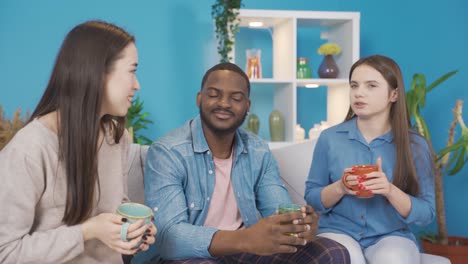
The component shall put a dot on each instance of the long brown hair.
(75, 91)
(404, 174)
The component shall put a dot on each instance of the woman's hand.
(351, 180)
(377, 181)
(106, 227)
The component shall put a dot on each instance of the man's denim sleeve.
(270, 191)
(164, 193)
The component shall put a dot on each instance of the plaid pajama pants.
(320, 251)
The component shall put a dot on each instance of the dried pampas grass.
(8, 128)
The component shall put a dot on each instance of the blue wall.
(176, 46)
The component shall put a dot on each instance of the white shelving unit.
(338, 27)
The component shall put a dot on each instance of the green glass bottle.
(303, 69)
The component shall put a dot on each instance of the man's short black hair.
(226, 66)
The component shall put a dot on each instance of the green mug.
(133, 212)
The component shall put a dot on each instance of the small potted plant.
(448, 161)
(328, 67)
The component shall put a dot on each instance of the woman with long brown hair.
(64, 174)
(376, 130)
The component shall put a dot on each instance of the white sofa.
(293, 161)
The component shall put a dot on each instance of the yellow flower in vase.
(329, 49)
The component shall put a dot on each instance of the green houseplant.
(448, 160)
(224, 13)
(136, 121)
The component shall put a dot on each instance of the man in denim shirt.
(215, 188)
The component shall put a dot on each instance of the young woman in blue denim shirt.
(376, 130)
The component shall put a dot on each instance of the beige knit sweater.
(33, 195)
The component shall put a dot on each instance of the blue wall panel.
(176, 46)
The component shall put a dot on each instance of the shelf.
(268, 22)
(269, 81)
(292, 34)
(322, 82)
(301, 82)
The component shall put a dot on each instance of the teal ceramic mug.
(133, 212)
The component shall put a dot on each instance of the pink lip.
(222, 114)
(359, 104)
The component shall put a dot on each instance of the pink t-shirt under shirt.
(223, 212)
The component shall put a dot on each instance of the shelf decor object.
(276, 126)
(253, 123)
(300, 133)
(254, 63)
(328, 68)
(303, 69)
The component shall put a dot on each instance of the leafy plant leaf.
(441, 80)
(432, 237)
(419, 90)
(460, 162)
(138, 120)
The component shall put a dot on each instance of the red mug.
(360, 170)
